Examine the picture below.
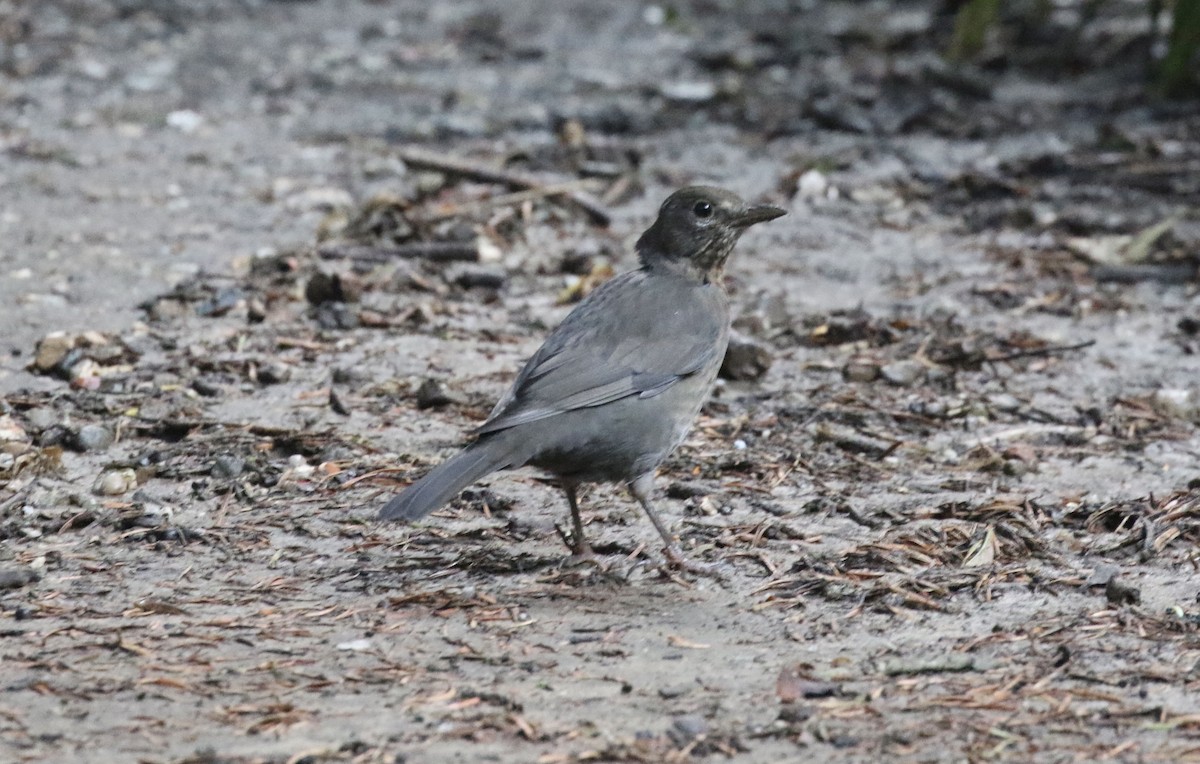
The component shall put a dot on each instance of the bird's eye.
(703, 210)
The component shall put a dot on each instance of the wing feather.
(618, 343)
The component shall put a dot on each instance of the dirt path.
(958, 513)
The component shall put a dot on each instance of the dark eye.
(703, 210)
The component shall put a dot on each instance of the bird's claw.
(678, 561)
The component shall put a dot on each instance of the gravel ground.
(952, 475)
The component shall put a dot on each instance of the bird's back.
(615, 387)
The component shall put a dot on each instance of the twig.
(1041, 352)
(438, 251)
(1132, 274)
(502, 200)
(416, 157)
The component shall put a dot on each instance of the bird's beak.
(759, 213)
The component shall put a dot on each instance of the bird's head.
(696, 229)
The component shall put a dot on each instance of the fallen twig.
(501, 200)
(1041, 352)
(1132, 274)
(438, 251)
(421, 158)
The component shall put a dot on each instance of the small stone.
(902, 373)
(227, 466)
(1004, 402)
(1102, 574)
(55, 435)
(299, 467)
(51, 350)
(274, 373)
(256, 310)
(433, 394)
(93, 437)
(41, 418)
(221, 303)
(85, 375)
(685, 729)
(812, 185)
(1178, 402)
(485, 278)
(115, 482)
(1118, 592)
(332, 287)
(10, 431)
(206, 387)
(334, 316)
(794, 714)
(745, 360)
(185, 120)
(860, 369)
(346, 375)
(15, 578)
(428, 183)
(168, 309)
(673, 691)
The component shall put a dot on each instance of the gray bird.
(616, 386)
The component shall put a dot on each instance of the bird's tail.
(443, 482)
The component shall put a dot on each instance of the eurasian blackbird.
(615, 388)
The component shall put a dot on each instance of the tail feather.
(443, 482)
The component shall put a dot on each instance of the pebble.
(334, 316)
(42, 418)
(331, 287)
(859, 369)
(1178, 402)
(274, 373)
(115, 482)
(487, 278)
(1118, 592)
(15, 578)
(10, 431)
(1004, 402)
(432, 394)
(206, 387)
(185, 120)
(54, 435)
(812, 185)
(299, 467)
(93, 437)
(902, 373)
(227, 466)
(51, 350)
(685, 729)
(745, 360)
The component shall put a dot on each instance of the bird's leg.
(640, 488)
(578, 544)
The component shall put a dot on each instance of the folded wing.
(593, 358)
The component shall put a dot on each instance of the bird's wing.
(633, 336)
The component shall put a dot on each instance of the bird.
(617, 385)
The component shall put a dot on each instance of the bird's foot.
(585, 556)
(678, 561)
(578, 545)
